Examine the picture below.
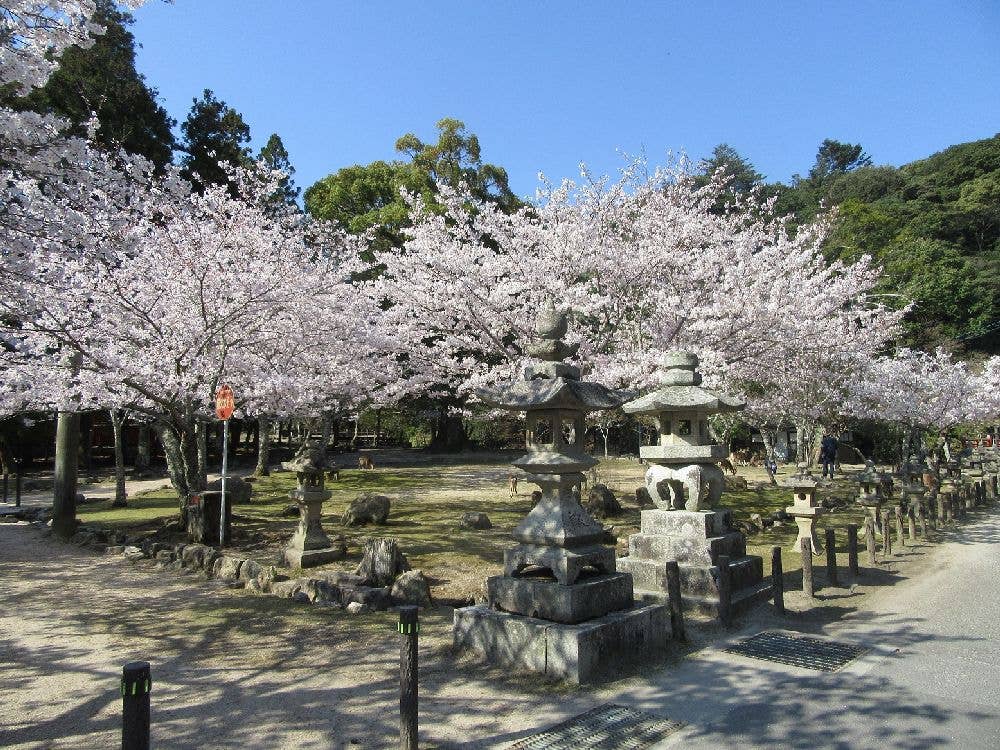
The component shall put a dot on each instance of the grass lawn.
(429, 500)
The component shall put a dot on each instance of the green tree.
(214, 134)
(102, 80)
(274, 156)
(362, 197)
(741, 174)
(834, 157)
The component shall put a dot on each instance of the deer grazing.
(365, 462)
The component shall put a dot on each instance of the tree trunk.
(263, 446)
(382, 562)
(201, 435)
(180, 445)
(142, 449)
(117, 423)
(64, 488)
(769, 439)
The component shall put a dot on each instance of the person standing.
(828, 454)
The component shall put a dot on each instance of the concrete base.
(309, 558)
(578, 653)
(549, 600)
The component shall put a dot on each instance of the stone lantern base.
(310, 546)
(805, 519)
(581, 652)
(695, 539)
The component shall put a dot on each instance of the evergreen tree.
(214, 134)
(102, 80)
(274, 156)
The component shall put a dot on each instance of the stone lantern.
(686, 486)
(559, 578)
(805, 509)
(310, 545)
(870, 495)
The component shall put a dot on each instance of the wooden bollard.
(409, 627)
(725, 590)
(777, 580)
(942, 516)
(898, 517)
(922, 518)
(852, 550)
(886, 536)
(18, 484)
(831, 557)
(805, 549)
(870, 541)
(5, 480)
(676, 604)
(911, 524)
(135, 689)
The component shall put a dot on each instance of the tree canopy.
(214, 135)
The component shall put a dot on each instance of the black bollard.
(136, 684)
(831, 557)
(18, 479)
(805, 549)
(674, 597)
(409, 627)
(852, 550)
(5, 479)
(725, 589)
(777, 580)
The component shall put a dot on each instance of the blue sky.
(547, 85)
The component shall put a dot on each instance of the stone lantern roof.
(552, 384)
(682, 391)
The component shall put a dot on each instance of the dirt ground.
(234, 670)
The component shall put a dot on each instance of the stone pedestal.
(805, 519)
(695, 539)
(310, 546)
(578, 652)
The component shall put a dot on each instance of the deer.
(365, 462)
(512, 482)
(727, 465)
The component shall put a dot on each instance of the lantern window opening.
(684, 427)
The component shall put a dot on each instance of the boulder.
(372, 597)
(290, 511)
(193, 555)
(227, 568)
(290, 590)
(320, 591)
(357, 608)
(133, 553)
(367, 508)
(165, 557)
(601, 502)
(237, 490)
(473, 520)
(411, 588)
(642, 498)
(114, 549)
(250, 569)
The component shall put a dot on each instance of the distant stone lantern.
(870, 495)
(560, 607)
(805, 509)
(310, 545)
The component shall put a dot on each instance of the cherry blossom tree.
(647, 267)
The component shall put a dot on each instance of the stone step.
(707, 604)
(697, 524)
(696, 580)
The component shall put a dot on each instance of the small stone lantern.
(310, 545)
(804, 508)
(870, 496)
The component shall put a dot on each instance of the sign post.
(224, 405)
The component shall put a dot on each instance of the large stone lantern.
(686, 486)
(560, 607)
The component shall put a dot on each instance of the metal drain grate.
(607, 727)
(799, 651)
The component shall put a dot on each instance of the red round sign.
(224, 403)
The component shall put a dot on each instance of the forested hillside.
(934, 224)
